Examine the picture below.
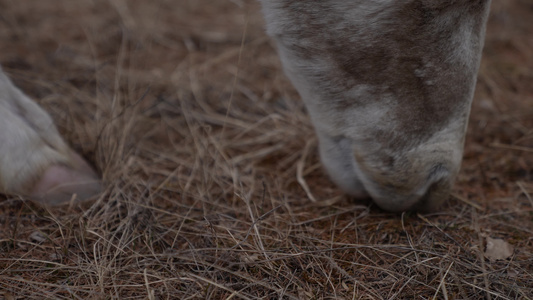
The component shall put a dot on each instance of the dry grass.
(202, 142)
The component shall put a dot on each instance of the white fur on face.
(388, 85)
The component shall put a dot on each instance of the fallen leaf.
(498, 249)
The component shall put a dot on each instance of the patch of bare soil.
(184, 109)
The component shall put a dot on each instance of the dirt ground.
(183, 108)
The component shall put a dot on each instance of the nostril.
(438, 190)
(438, 171)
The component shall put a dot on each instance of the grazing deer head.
(388, 85)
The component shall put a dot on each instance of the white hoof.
(62, 184)
(35, 162)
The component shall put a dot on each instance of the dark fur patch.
(404, 50)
